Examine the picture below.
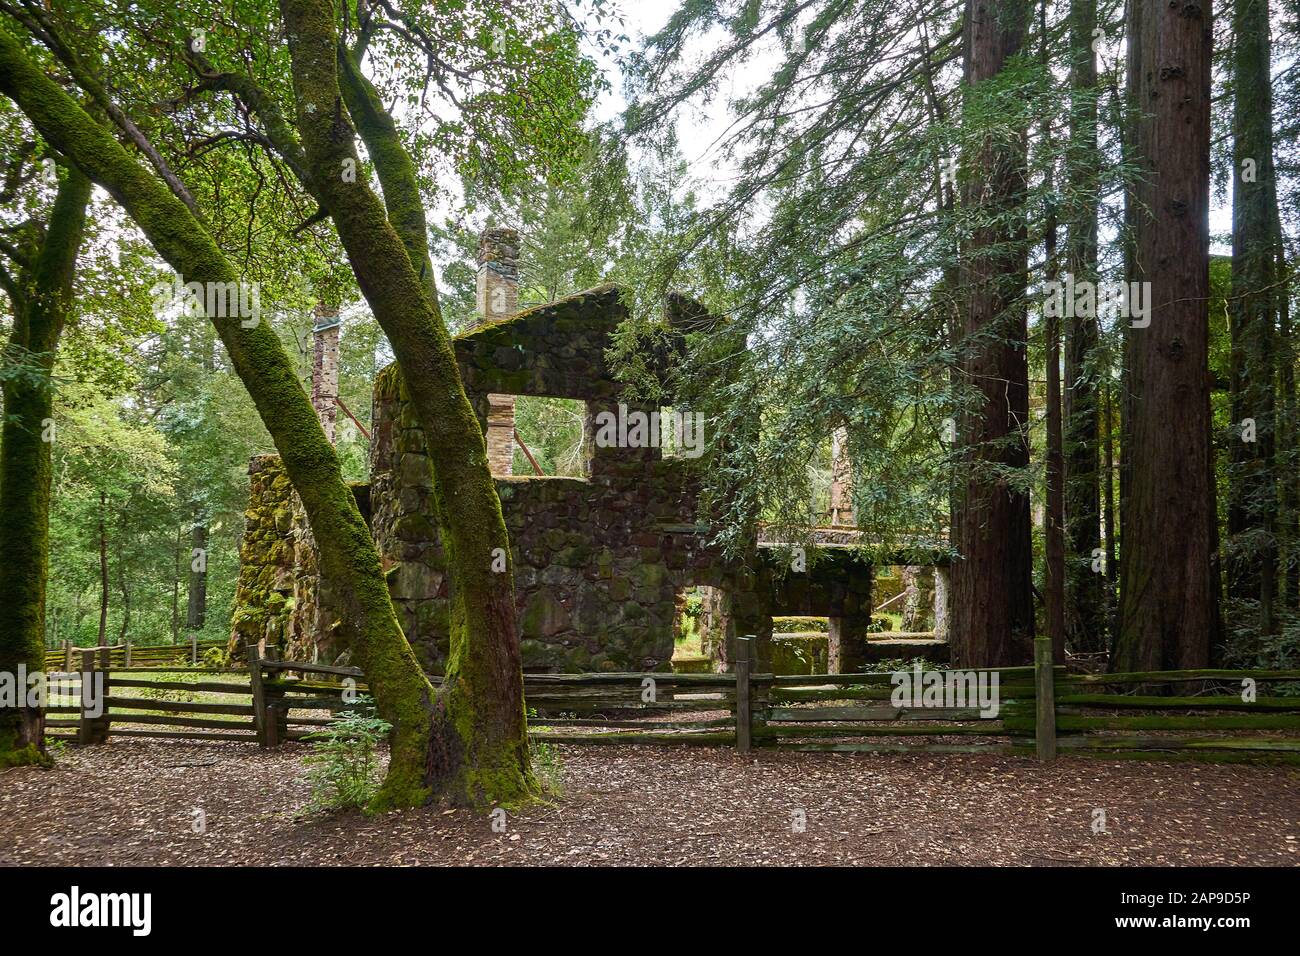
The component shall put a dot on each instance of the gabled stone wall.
(599, 561)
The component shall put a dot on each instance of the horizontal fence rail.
(1224, 716)
(1218, 715)
(68, 656)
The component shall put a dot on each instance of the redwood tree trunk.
(1085, 612)
(1169, 610)
(993, 620)
(1288, 433)
(25, 463)
(1054, 565)
(1252, 491)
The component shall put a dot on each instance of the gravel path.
(134, 802)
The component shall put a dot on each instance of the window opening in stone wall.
(551, 429)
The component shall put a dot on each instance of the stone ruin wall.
(280, 597)
(599, 561)
(264, 592)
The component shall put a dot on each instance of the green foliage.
(343, 767)
(829, 251)
(895, 664)
(547, 766)
(552, 428)
(176, 677)
(112, 474)
(216, 658)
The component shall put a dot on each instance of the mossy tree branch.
(480, 748)
(40, 25)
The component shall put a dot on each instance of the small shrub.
(546, 762)
(343, 767)
(799, 625)
(217, 658)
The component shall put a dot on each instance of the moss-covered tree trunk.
(40, 305)
(479, 749)
(347, 551)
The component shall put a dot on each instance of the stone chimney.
(325, 368)
(841, 479)
(498, 298)
(498, 274)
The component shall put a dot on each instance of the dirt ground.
(135, 803)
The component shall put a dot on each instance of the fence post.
(253, 651)
(1044, 700)
(93, 729)
(67, 657)
(744, 715)
(277, 710)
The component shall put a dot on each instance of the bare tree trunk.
(1054, 578)
(197, 610)
(1108, 497)
(176, 587)
(1252, 490)
(1169, 605)
(1288, 432)
(103, 573)
(1085, 613)
(993, 620)
(126, 592)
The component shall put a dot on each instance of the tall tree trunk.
(26, 462)
(176, 587)
(1108, 510)
(348, 556)
(1286, 456)
(1252, 489)
(1169, 605)
(479, 752)
(1128, 372)
(125, 588)
(1085, 608)
(1055, 582)
(197, 611)
(993, 620)
(1054, 527)
(103, 571)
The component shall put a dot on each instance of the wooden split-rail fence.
(67, 656)
(1221, 715)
